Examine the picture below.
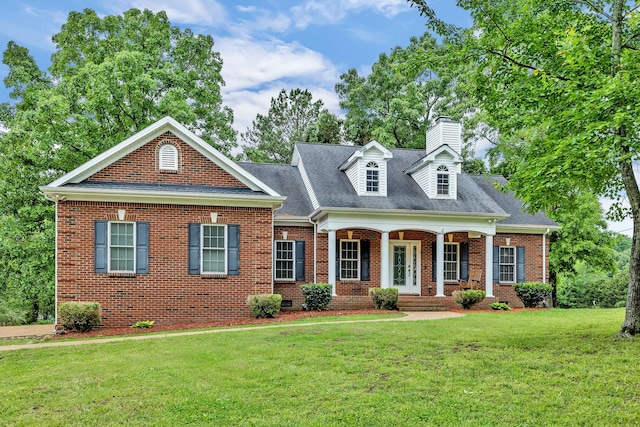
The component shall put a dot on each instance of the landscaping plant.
(469, 298)
(384, 298)
(79, 316)
(316, 296)
(532, 293)
(264, 305)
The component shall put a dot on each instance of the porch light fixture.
(214, 217)
(122, 213)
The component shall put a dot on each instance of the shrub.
(143, 324)
(469, 298)
(500, 306)
(80, 316)
(11, 315)
(316, 296)
(264, 305)
(621, 304)
(532, 293)
(384, 298)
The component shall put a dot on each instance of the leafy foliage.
(500, 306)
(317, 296)
(143, 324)
(386, 298)
(469, 298)
(264, 305)
(590, 287)
(80, 316)
(293, 117)
(532, 293)
(11, 314)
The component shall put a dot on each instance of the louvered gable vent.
(168, 157)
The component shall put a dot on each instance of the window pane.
(450, 262)
(121, 250)
(213, 261)
(443, 184)
(213, 249)
(507, 264)
(372, 180)
(284, 260)
(349, 257)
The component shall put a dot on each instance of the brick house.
(164, 227)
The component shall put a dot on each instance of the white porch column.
(488, 270)
(332, 260)
(440, 265)
(384, 259)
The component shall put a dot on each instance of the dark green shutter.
(142, 247)
(233, 249)
(496, 264)
(100, 247)
(464, 261)
(434, 262)
(520, 264)
(194, 248)
(300, 260)
(365, 260)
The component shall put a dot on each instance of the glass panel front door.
(405, 261)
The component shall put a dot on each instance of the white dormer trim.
(425, 172)
(366, 169)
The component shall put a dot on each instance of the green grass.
(531, 368)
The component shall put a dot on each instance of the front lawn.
(551, 367)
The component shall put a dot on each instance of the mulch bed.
(284, 316)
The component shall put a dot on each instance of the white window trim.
(275, 261)
(446, 172)
(457, 245)
(226, 249)
(366, 178)
(339, 266)
(109, 270)
(515, 264)
(175, 155)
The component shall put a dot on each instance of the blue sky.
(266, 45)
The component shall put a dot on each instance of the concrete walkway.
(36, 330)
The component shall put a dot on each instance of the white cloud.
(190, 12)
(333, 11)
(249, 63)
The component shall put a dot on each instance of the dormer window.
(168, 158)
(442, 183)
(373, 177)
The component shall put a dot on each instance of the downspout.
(315, 249)
(544, 256)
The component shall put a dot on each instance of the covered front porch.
(420, 255)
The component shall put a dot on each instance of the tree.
(393, 104)
(109, 78)
(583, 238)
(293, 117)
(561, 79)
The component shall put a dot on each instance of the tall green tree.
(292, 117)
(562, 79)
(109, 78)
(393, 104)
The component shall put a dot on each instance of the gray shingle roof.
(509, 203)
(286, 180)
(333, 188)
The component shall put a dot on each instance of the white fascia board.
(408, 212)
(526, 229)
(291, 220)
(161, 197)
(432, 156)
(386, 154)
(166, 124)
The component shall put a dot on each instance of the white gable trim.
(386, 154)
(431, 157)
(166, 124)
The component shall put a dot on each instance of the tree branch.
(523, 65)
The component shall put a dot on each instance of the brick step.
(422, 308)
(418, 303)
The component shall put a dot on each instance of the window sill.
(285, 281)
(168, 171)
(121, 274)
(213, 276)
(506, 283)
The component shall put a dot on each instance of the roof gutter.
(409, 213)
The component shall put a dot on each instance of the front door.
(405, 266)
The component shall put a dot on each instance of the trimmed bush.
(532, 293)
(469, 298)
(264, 305)
(80, 316)
(317, 296)
(143, 324)
(384, 298)
(500, 306)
